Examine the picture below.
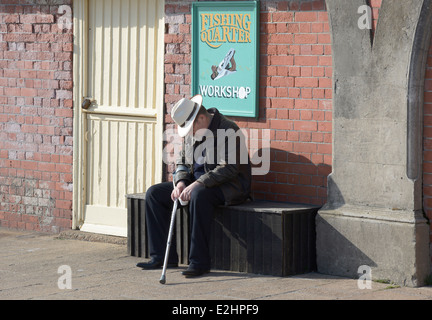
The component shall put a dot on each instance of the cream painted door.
(121, 131)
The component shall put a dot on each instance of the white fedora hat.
(184, 113)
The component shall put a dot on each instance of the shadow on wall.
(290, 178)
(351, 257)
(335, 198)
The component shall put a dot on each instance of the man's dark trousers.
(201, 208)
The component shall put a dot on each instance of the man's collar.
(214, 123)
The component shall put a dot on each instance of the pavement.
(79, 266)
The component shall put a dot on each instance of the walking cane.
(170, 234)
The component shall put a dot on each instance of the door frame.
(80, 67)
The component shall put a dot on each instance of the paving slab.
(40, 266)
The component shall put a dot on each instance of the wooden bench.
(259, 237)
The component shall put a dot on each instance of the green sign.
(225, 56)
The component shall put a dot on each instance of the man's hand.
(175, 194)
(187, 192)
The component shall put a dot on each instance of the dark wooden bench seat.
(260, 237)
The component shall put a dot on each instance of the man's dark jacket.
(233, 177)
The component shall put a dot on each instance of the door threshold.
(107, 230)
(90, 236)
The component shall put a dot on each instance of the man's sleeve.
(183, 169)
(227, 167)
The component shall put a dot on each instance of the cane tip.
(162, 280)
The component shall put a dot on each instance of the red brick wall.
(35, 116)
(295, 93)
(295, 104)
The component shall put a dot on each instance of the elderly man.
(214, 177)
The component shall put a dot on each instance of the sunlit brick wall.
(295, 93)
(35, 116)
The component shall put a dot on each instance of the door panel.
(120, 158)
(121, 130)
(125, 44)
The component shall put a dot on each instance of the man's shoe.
(191, 272)
(155, 264)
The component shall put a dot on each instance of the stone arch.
(420, 48)
(375, 189)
